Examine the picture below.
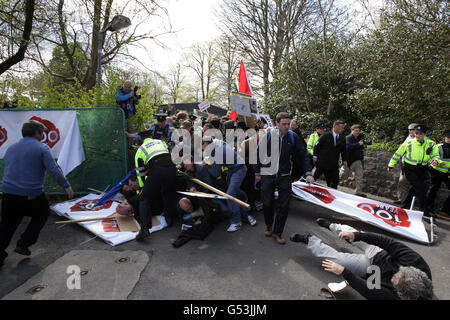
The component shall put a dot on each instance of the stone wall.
(378, 181)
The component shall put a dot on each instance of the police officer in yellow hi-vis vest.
(313, 138)
(440, 173)
(418, 153)
(157, 177)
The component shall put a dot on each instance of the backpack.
(291, 136)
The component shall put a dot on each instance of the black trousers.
(160, 184)
(437, 178)
(14, 208)
(331, 176)
(248, 186)
(268, 185)
(416, 177)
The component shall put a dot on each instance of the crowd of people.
(218, 153)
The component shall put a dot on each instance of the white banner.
(204, 105)
(62, 134)
(407, 223)
(107, 230)
(244, 106)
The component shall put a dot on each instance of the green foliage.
(392, 76)
(384, 146)
(59, 64)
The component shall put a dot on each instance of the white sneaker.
(234, 227)
(252, 220)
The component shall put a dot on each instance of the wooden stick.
(207, 186)
(85, 220)
(95, 190)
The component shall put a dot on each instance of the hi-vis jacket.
(416, 153)
(443, 163)
(149, 149)
(312, 142)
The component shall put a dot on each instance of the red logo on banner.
(3, 136)
(82, 205)
(110, 225)
(320, 193)
(51, 135)
(394, 216)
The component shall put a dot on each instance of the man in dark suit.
(273, 169)
(326, 154)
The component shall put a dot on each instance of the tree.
(264, 30)
(174, 82)
(10, 23)
(203, 61)
(229, 61)
(80, 21)
(402, 67)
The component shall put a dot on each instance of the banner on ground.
(62, 135)
(407, 223)
(107, 230)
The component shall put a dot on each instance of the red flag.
(232, 116)
(244, 84)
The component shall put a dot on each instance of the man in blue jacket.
(127, 99)
(23, 193)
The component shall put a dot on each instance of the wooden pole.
(86, 220)
(207, 186)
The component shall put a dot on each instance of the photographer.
(127, 98)
(355, 149)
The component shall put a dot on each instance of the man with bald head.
(127, 99)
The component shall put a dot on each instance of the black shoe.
(22, 250)
(324, 223)
(143, 233)
(300, 238)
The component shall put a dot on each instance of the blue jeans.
(234, 190)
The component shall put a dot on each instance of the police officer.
(161, 130)
(418, 153)
(313, 138)
(159, 183)
(440, 173)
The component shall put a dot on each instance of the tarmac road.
(242, 265)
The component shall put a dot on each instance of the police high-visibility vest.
(312, 142)
(149, 149)
(416, 153)
(443, 163)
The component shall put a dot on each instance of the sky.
(194, 21)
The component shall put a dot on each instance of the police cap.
(161, 116)
(320, 126)
(420, 128)
(447, 133)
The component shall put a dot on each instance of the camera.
(138, 96)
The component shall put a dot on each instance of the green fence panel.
(105, 148)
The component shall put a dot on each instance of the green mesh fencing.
(105, 148)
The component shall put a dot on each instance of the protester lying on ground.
(404, 274)
(202, 214)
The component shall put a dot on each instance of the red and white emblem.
(394, 216)
(51, 135)
(3, 135)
